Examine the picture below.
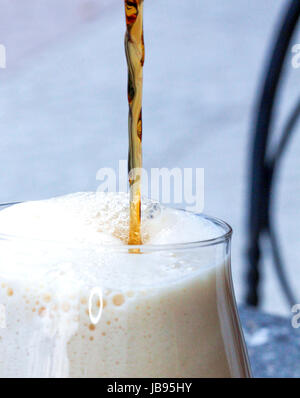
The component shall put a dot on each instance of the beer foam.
(102, 218)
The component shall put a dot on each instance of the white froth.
(102, 218)
(82, 233)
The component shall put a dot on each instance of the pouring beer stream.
(135, 53)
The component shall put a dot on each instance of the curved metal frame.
(264, 165)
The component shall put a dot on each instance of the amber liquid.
(135, 52)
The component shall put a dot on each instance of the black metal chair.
(264, 163)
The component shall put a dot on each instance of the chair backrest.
(264, 164)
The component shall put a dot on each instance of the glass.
(61, 318)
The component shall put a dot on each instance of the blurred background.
(63, 106)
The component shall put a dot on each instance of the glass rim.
(224, 226)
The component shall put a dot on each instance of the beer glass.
(119, 311)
